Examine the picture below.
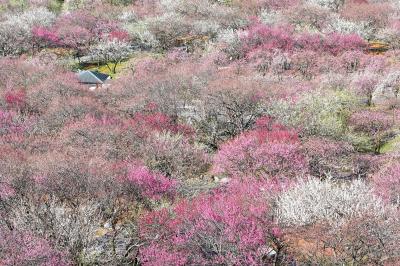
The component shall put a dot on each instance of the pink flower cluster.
(265, 151)
(23, 248)
(387, 183)
(144, 123)
(261, 37)
(6, 191)
(229, 226)
(150, 184)
(15, 98)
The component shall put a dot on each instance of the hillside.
(199, 132)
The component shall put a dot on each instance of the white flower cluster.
(111, 50)
(341, 25)
(16, 30)
(330, 4)
(327, 201)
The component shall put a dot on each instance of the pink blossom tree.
(365, 84)
(265, 151)
(263, 37)
(336, 43)
(23, 248)
(387, 182)
(15, 99)
(374, 124)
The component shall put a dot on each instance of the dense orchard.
(218, 132)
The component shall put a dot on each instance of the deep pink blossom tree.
(43, 37)
(262, 37)
(78, 30)
(120, 35)
(230, 226)
(333, 43)
(149, 184)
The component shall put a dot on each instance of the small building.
(94, 79)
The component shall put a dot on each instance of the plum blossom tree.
(151, 120)
(334, 222)
(175, 156)
(6, 191)
(334, 5)
(388, 88)
(262, 37)
(12, 123)
(326, 156)
(375, 124)
(314, 200)
(150, 185)
(367, 239)
(336, 43)
(77, 30)
(69, 224)
(24, 248)
(365, 84)
(227, 112)
(268, 150)
(373, 16)
(333, 43)
(228, 226)
(309, 17)
(343, 26)
(15, 99)
(320, 113)
(111, 52)
(16, 34)
(74, 37)
(386, 183)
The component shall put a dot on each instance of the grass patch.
(122, 67)
(104, 69)
(391, 145)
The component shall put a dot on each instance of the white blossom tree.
(334, 5)
(344, 219)
(16, 30)
(111, 52)
(338, 24)
(327, 201)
